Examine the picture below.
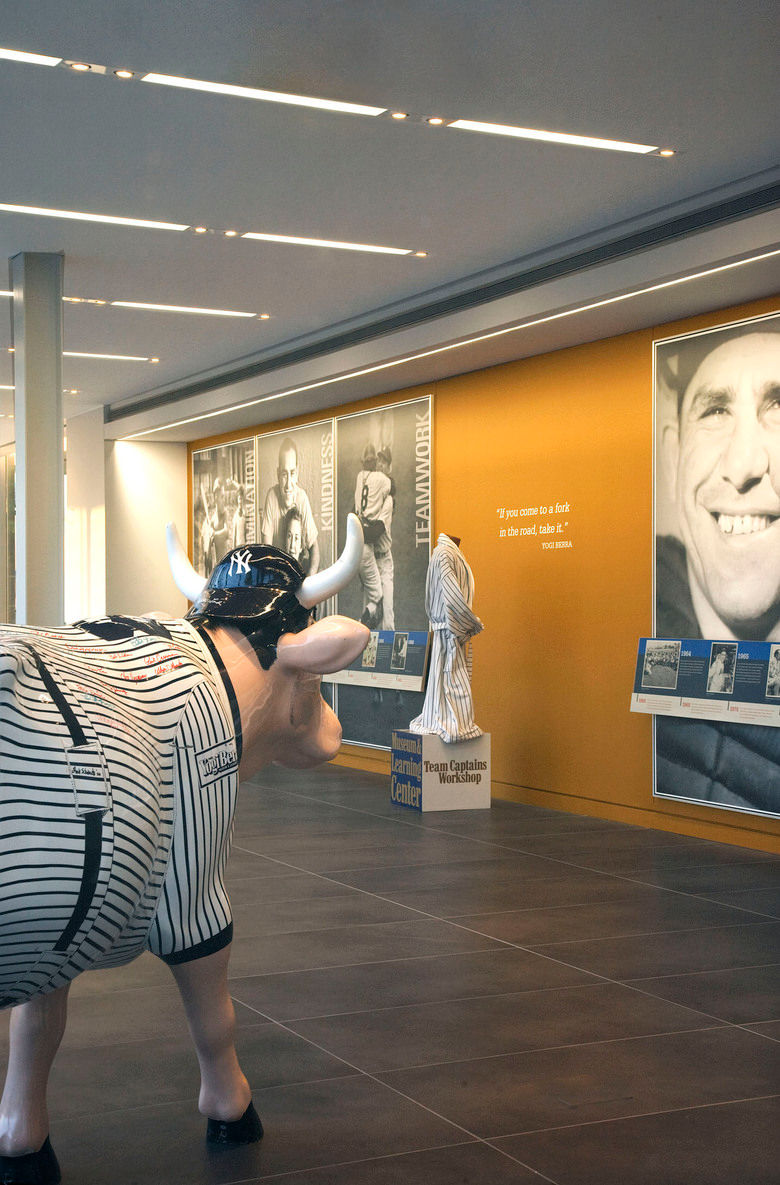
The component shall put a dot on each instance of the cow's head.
(257, 606)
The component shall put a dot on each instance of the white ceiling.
(700, 77)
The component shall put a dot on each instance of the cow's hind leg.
(225, 1098)
(36, 1030)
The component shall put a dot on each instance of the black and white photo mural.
(295, 487)
(383, 474)
(717, 546)
(223, 501)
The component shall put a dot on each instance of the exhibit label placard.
(392, 658)
(708, 680)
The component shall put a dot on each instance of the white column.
(85, 518)
(36, 319)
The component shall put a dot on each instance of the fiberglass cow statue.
(120, 750)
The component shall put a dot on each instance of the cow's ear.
(326, 646)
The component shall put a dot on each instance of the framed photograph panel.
(716, 522)
(223, 501)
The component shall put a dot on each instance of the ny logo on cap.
(239, 562)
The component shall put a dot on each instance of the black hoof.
(36, 1168)
(226, 1134)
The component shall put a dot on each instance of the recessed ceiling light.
(35, 59)
(178, 308)
(399, 115)
(249, 92)
(326, 243)
(78, 216)
(230, 234)
(80, 66)
(154, 359)
(110, 357)
(200, 230)
(498, 129)
(435, 120)
(124, 74)
(421, 254)
(264, 317)
(666, 152)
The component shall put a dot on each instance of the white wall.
(146, 487)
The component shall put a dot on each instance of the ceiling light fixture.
(264, 317)
(666, 152)
(82, 67)
(250, 92)
(34, 59)
(399, 115)
(230, 234)
(499, 129)
(124, 73)
(435, 121)
(326, 243)
(109, 357)
(458, 345)
(78, 216)
(178, 308)
(4, 387)
(200, 230)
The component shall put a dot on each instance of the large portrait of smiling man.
(717, 542)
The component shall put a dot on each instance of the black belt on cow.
(93, 820)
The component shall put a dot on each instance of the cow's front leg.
(225, 1098)
(36, 1030)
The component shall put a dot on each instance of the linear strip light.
(39, 210)
(457, 345)
(498, 129)
(111, 357)
(250, 92)
(34, 59)
(80, 217)
(327, 243)
(177, 308)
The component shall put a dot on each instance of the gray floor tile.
(323, 913)
(761, 874)
(350, 944)
(739, 996)
(647, 955)
(306, 1126)
(592, 1083)
(761, 901)
(642, 910)
(738, 1142)
(769, 1029)
(448, 1031)
(463, 1164)
(361, 987)
(94, 1080)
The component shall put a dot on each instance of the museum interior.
(499, 283)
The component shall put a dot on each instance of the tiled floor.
(479, 998)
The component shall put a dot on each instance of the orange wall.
(554, 668)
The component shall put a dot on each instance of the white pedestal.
(428, 775)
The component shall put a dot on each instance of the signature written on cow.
(546, 524)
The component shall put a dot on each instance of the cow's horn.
(317, 588)
(186, 578)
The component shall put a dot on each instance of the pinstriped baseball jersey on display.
(448, 708)
(118, 780)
